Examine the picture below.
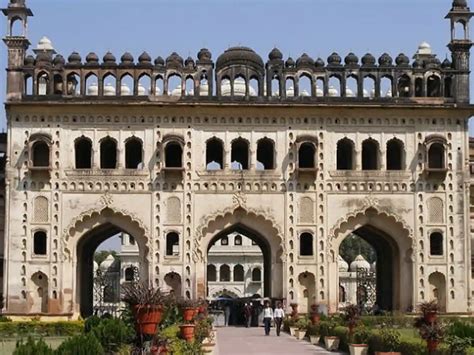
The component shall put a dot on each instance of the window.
(436, 156)
(173, 155)
(240, 154)
(172, 244)
(256, 275)
(214, 154)
(211, 273)
(238, 273)
(58, 84)
(370, 154)
(345, 154)
(404, 84)
(448, 82)
(224, 273)
(225, 241)
(73, 85)
(418, 87)
(238, 240)
(133, 153)
(39, 243)
(394, 154)
(83, 152)
(108, 153)
(265, 154)
(306, 244)
(129, 274)
(433, 86)
(40, 151)
(436, 243)
(306, 156)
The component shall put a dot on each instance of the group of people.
(276, 315)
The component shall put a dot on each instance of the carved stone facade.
(86, 160)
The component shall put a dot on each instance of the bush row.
(14, 329)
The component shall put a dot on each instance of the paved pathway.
(252, 341)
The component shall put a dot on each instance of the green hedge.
(13, 329)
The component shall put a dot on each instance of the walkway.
(252, 341)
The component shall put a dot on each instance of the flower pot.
(189, 313)
(147, 318)
(332, 343)
(314, 339)
(358, 349)
(293, 331)
(430, 317)
(432, 344)
(300, 333)
(187, 332)
(315, 318)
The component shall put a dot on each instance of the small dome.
(368, 60)
(109, 90)
(92, 58)
(359, 263)
(351, 59)
(107, 263)
(333, 91)
(240, 56)
(141, 90)
(343, 265)
(29, 60)
(290, 91)
(59, 60)
(319, 63)
(446, 64)
(334, 59)
(402, 60)
(239, 88)
(389, 93)
(275, 54)
(74, 58)
(204, 55)
(159, 61)
(385, 60)
(305, 61)
(174, 60)
(460, 3)
(124, 90)
(109, 58)
(93, 89)
(126, 58)
(189, 62)
(349, 92)
(176, 91)
(290, 63)
(144, 58)
(424, 48)
(45, 44)
(319, 91)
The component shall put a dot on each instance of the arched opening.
(265, 154)
(395, 155)
(174, 85)
(460, 30)
(238, 273)
(129, 274)
(418, 87)
(239, 85)
(43, 84)
(108, 153)
(304, 85)
(240, 154)
(28, 85)
(144, 85)
(17, 27)
(225, 240)
(345, 154)
(436, 156)
(306, 291)
(211, 273)
(306, 244)
(256, 275)
(214, 154)
(334, 86)
(58, 84)
(173, 284)
(433, 86)
(126, 85)
(172, 244)
(275, 86)
(83, 153)
(92, 86)
(436, 244)
(224, 273)
(225, 87)
(40, 154)
(320, 87)
(254, 87)
(369, 87)
(352, 87)
(40, 243)
(173, 155)
(133, 153)
(159, 86)
(109, 85)
(307, 156)
(204, 85)
(290, 87)
(189, 88)
(437, 283)
(404, 86)
(370, 155)
(39, 293)
(73, 83)
(386, 86)
(238, 240)
(448, 87)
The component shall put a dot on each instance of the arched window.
(404, 86)
(58, 84)
(256, 275)
(40, 243)
(173, 155)
(133, 153)
(370, 154)
(17, 27)
(418, 87)
(369, 86)
(204, 85)
(43, 84)
(214, 154)
(108, 153)
(276, 86)
(92, 86)
(28, 85)
(144, 85)
(305, 85)
(172, 244)
(436, 243)
(395, 154)
(265, 154)
(290, 87)
(159, 90)
(129, 274)
(352, 86)
(342, 294)
(40, 151)
(211, 273)
(345, 154)
(240, 154)
(334, 86)
(436, 156)
(109, 85)
(307, 156)
(448, 84)
(238, 240)
(254, 89)
(224, 273)
(306, 244)
(433, 86)
(224, 241)
(126, 85)
(83, 152)
(174, 85)
(189, 86)
(73, 84)
(238, 273)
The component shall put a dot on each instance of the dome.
(109, 90)
(343, 265)
(351, 59)
(144, 58)
(239, 88)
(319, 63)
(334, 59)
(59, 60)
(29, 60)
(389, 93)
(204, 55)
(385, 60)
(446, 64)
(359, 263)
(124, 90)
(45, 44)
(74, 58)
(424, 48)
(349, 92)
(402, 60)
(92, 58)
(333, 91)
(275, 54)
(290, 91)
(109, 58)
(305, 61)
(107, 263)
(368, 60)
(319, 91)
(460, 3)
(141, 90)
(189, 62)
(159, 61)
(290, 63)
(126, 58)
(93, 89)
(204, 89)
(174, 60)
(240, 56)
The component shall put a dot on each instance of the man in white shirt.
(267, 317)
(278, 315)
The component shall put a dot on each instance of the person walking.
(248, 314)
(267, 317)
(226, 314)
(278, 316)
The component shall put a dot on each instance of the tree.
(354, 245)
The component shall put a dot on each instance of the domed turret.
(240, 56)
(45, 44)
(93, 89)
(385, 60)
(290, 63)
(59, 60)
(351, 60)
(29, 61)
(204, 55)
(159, 61)
(125, 90)
(305, 61)
(109, 58)
(109, 90)
(424, 48)
(275, 54)
(74, 58)
(446, 64)
(144, 58)
(319, 63)
(402, 60)
(359, 263)
(174, 60)
(189, 62)
(343, 265)
(460, 3)
(368, 60)
(334, 59)
(92, 58)
(126, 59)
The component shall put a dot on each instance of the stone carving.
(435, 210)
(41, 210)
(106, 199)
(239, 199)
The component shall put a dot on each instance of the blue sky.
(317, 27)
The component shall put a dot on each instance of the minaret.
(460, 47)
(17, 44)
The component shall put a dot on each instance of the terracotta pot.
(430, 317)
(315, 318)
(332, 343)
(189, 313)
(432, 345)
(187, 332)
(358, 349)
(387, 353)
(147, 317)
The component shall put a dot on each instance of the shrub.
(63, 328)
(343, 334)
(90, 323)
(81, 345)
(461, 329)
(458, 345)
(112, 333)
(32, 347)
(303, 323)
(314, 329)
(362, 335)
(390, 339)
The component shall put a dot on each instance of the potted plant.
(187, 331)
(351, 316)
(359, 344)
(433, 333)
(429, 310)
(205, 334)
(390, 341)
(294, 310)
(331, 342)
(146, 304)
(315, 317)
(190, 308)
(290, 325)
(302, 327)
(314, 333)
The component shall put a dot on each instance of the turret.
(17, 44)
(460, 47)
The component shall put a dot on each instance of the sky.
(316, 27)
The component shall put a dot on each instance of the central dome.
(240, 56)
